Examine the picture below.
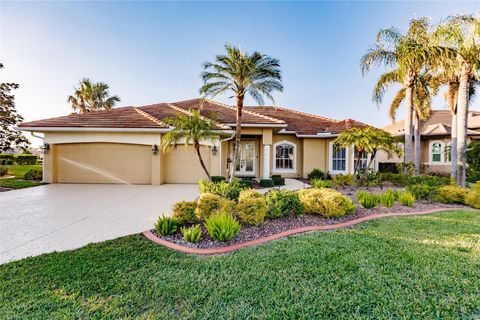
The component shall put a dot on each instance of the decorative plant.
(387, 199)
(251, 209)
(282, 202)
(326, 202)
(184, 211)
(192, 234)
(319, 183)
(407, 199)
(230, 190)
(222, 226)
(451, 194)
(209, 204)
(166, 225)
(368, 200)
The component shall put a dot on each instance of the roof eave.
(90, 129)
(265, 125)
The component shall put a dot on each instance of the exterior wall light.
(154, 149)
(45, 148)
(214, 150)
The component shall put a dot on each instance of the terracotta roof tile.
(126, 117)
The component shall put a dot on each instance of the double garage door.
(123, 164)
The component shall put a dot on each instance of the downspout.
(220, 152)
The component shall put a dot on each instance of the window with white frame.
(448, 152)
(363, 161)
(436, 152)
(284, 157)
(339, 158)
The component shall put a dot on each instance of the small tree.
(189, 128)
(368, 141)
(9, 117)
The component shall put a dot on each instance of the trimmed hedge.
(266, 183)
(387, 167)
(7, 159)
(29, 159)
(278, 181)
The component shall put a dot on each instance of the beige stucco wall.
(298, 154)
(182, 164)
(315, 153)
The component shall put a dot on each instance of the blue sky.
(152, 52)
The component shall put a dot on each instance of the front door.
(245, 166)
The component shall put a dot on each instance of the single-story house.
(435, 139)
(121, 145)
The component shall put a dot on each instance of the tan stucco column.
(266, 151)
(49, 165)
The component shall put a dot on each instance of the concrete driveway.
(61, 217)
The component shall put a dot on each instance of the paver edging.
(209, 251)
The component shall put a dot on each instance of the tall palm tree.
(462, 33)
(90, 96)
(409, 53)
(423, 89)
(189, 128)
(239, 73)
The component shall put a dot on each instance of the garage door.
(182, 165)
(103, 163)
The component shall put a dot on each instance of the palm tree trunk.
(238, 135)
(453, 148)
(462, 114)
(197, 148)
(408, 122)
(416, 133)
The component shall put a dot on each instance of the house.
(435, 137)
(121, 145)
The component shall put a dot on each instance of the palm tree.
(410, 54)
(189, 128)
(90, 96)
(462, 33)
(240, 73)
(422, 90)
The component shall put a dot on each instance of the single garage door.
(182, 165)
(103, 163)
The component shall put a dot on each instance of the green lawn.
(19, 171)
(424, 267)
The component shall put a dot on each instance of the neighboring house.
(122, 145)
(435, 137)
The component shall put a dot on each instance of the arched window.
(436, 152)
(284, 160)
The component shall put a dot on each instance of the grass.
(19, 171)
(424, 267)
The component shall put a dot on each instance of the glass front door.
(245, 166)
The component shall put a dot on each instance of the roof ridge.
(247, 111)
(173, 106)
(301, 112)
(150, 117)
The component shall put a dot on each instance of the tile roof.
(126, 117)
(305, 123)
(439, 123)
(153, 116)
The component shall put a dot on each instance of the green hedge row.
(9, 159)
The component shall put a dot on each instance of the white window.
(363, 161)
(285, 156)
(338, 162)
(436, 152)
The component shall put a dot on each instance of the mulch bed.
(2, 189)
(274, 226)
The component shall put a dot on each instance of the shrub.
(252, 210)
(423, 191)
(166, 225)
(317, 174)
(3, 170)
(398, 179)
(7, 159)
(209, 204)
(326, 202)
(368, 177)
(222, 226)
(184, 212)
(278, 181)
(266, 183)
(33, 174)
(225, 189)
(406, 198)
(341, 180)
(387, 167)
(216, 179)
(318, 183)
(249, 193)
(276, 176)
(472, 198)
(368, 200)
(246, 184)
(451, 194)
(429, 180)
(29, 159)
(192, 234)
(407, 168)
(388, 199)
(282, 202)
